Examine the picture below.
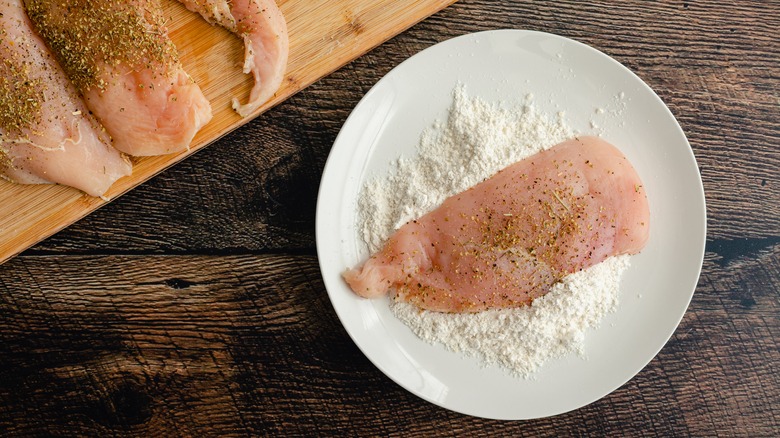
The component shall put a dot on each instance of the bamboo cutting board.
(324, 35)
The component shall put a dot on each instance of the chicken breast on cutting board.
(266, 45)
(46, 134)
(119, 56)
(509, 239)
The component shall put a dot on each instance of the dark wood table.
(194, 305)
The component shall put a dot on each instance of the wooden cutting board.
(324, 35)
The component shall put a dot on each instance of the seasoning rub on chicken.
(120, 58)
(46, 133)
(266, 46)
(509, 239)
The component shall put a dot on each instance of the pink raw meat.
(509, 239)
(46, 132)
(122, 61)
(263, 28)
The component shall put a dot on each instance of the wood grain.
(323, 36)
(193, 305)
(189, 345)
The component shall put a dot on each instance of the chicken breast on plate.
(509, 239)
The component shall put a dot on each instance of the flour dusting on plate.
(475, 141)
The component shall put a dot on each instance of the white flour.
(476, 140)
(523, 339)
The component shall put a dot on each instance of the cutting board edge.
(31, 237)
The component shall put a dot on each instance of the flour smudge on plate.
(476, 140)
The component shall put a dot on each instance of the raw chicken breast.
(266, 45)
(119, 56)
(46, 135)
(509, 239)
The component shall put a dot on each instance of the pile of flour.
(475, 141)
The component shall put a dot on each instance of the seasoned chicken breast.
(119, 56)
(264, 30)
(46, 133)
(508, 239)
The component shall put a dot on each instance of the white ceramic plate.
(563, 75)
